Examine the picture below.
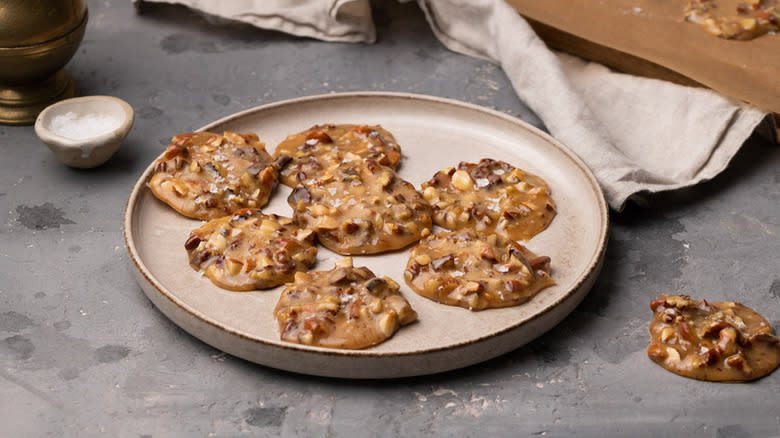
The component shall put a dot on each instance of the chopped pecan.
(319, 136)
(443, 262)
(192, 242)
(540, 263)
(299, 194)
(655, 304)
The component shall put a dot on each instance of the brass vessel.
(37, 39)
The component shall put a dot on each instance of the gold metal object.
(37, 39)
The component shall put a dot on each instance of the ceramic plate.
(434, 133)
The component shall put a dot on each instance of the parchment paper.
(655, 30)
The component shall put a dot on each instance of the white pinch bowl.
(88, 152)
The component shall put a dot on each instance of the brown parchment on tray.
(651, 38)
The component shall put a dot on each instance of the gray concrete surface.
(84, 353)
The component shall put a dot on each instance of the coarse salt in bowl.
(85, 131)
(82, 127)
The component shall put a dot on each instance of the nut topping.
(735, 19)
(461, 269)
(250, 250)
(355, 208)
(491, 197)
(711, 341)
(205, 176)
(323, 146)
(345, 307)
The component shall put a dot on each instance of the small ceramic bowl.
(85, 131)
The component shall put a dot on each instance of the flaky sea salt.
(77, 127)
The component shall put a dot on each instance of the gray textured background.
(84, 353)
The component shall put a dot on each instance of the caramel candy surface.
(361, 207)
(204, 176)
(491, 197)
(462, 269)
(322, 146)
(724, 342)
(250, 250)
(735, 19)
(346, 307)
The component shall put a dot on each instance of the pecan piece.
(443, 262)
(192, 242)
(318, 137)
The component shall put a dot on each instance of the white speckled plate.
(433, 133)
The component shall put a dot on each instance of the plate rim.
(592, 269)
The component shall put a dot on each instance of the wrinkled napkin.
(637, 135)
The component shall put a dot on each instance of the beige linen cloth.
(638, 135)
